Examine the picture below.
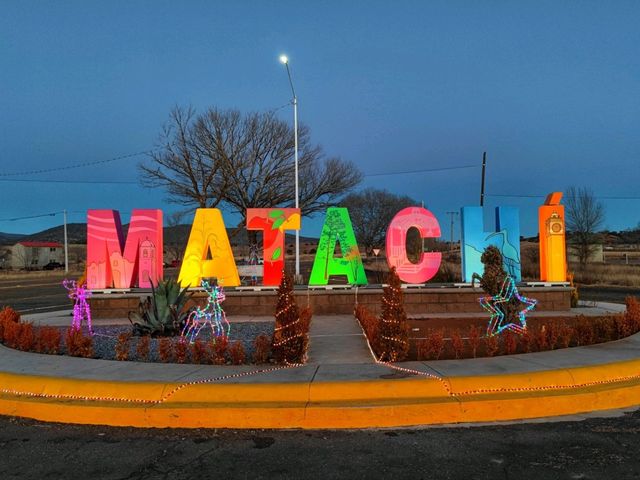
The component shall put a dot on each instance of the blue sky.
(551, 90)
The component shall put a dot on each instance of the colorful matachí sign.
(337, 228)
(428, 226)
(113, 262)
(273, 222)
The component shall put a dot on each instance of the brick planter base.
(341, 301)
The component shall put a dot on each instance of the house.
(35, 255)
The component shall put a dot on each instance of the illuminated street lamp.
(285, 60)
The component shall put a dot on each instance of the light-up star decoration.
(499, 319)
(211, 315)
(81, 309)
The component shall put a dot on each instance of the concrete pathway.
(337, 339)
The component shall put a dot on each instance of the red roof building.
(40, 244)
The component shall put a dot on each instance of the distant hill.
(77, 234)
(10, 238)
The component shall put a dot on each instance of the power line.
(602, 197)
(52, 214)
(424, 170)
(75, 165)
(29, 180)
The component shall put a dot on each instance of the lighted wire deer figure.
(212, 315)
(81, 309)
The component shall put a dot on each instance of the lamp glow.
(284, 59)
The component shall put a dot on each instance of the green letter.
(337, 227)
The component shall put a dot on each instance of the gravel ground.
(105, 338)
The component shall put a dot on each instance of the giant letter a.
(208, 252)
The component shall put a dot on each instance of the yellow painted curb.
(418, 400)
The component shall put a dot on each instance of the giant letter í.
(475, 240)
(208, 237)
(553, 254)
(113, 263)
(428, 226)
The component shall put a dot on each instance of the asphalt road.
(605, 448)
(34, 294)
(607, 294)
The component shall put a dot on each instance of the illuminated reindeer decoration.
(81, 310)
(211, 315)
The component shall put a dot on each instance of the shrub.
(604, 329)
(525, 341)
(237, 353)
(220, 350)
(291, 332)
(584, 331)
(369, 323)
(509, 343)
(199, 352)
(434, 344)
(457, 343)
(181, 349)
(165, 349)
(540, 341)
(491, 345)
(632, 314)
(565, 332)
(78, 345)
(27, 338)
(394, 327)
(261, 348)
(142, 348)
(474, 339)
(8, 314)
(122, 346)
(11, 332)
(552, 335)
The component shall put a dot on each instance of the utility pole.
(66, 243)
(484, 167)
(452, 215)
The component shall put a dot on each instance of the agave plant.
(162, 313)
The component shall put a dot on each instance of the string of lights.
(601, 197)
(163, 399)
(73, 166)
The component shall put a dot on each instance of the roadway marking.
(43, 308)
(31, 285)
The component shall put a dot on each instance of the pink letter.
(428, 226)
(111, 261)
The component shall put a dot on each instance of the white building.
(35, 255)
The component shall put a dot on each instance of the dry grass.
(607, 274)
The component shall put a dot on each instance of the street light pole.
(66, 243)
(284, 59)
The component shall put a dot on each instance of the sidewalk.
(341, 386)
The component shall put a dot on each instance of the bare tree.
(584, 217)
(371, 211)
(175, 237)
(245, 161)
(182, 167)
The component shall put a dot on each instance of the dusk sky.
(551, 90)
